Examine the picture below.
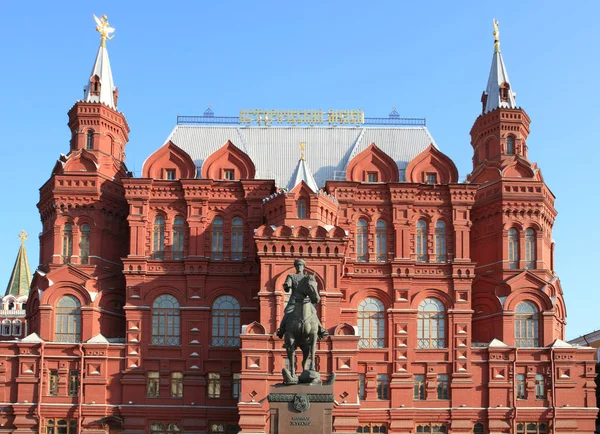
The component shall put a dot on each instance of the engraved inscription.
(300, 421)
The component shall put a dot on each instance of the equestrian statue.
(300, 326)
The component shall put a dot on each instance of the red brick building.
(157, 298)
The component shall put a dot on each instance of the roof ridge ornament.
(103, 27)
(496, 36)
(23, 236)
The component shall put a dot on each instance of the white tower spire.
(101, 87)
(498, 93)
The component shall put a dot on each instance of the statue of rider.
(292, 283)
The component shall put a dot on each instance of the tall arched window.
(301, 208)
(510, 145)
(362, 235)
(89, 140)
(217, 239)
(431, 324)
(371, 323)
(440, 241)
(178, 235)
(67, 243)
(158, 247)
(68, 320)
(381, 240)
(421, 241)
(226, 322)
(165, 320)
(530, 249)
(16, 327)
(237, 238)
(478, 429)
(526, 325)
(84, 244)
(513, 249)
(6, 327)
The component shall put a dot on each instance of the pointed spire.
(303, 173)
(101, 87)
(21, 276)
(498, 93)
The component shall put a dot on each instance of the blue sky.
(428, 59)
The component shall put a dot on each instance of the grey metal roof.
(275, 149)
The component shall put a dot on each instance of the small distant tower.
(12, 314)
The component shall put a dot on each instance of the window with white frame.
(371, 323)
(526, 325)
(431, 324)
(165, 321)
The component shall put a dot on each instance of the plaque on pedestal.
(301, 409)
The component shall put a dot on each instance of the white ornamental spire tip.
(100, 87)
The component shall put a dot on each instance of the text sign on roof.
(302, 117)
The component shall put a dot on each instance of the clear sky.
(428, 59)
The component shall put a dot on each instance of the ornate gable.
(167, 158)
(431, 162)
(228, 162)
(372, 165)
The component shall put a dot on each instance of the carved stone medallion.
(301, 403)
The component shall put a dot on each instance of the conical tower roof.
(303, 173)
(20, 278)
(498, 92)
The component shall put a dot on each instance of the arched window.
(68, 320)
(158, 247)
(237, 238)
(381, 240)
(513, 249)
(16, 327)
(530, 249)
(431, 324)
(165, 320)
(478, 428)
(178, 234)
(226, 322)
(371, 323)
(217, 239)
(440, 241)
(67, 243)
(84, 245)
(526, 325)
(89, 140)
(361, 240)
(510, 145)
(6, 327)
(301, 207)
(421, 241)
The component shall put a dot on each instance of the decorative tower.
(12, 318)
(83, 208)
(513, 217)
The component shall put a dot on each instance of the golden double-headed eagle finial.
(302, 148)
(496, 36)
(23, 236)
(104, 29)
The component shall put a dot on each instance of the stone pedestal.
(301, 409)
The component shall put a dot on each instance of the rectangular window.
(228, 174)
(61, 426)
(520, 386)
(53, 382)
(383, 387)
(74, 382)
(531, 428)
(435, 428)
(164, 428)
(214, 385)
(361, 386)
(431, 178)
(177, 384)
(442, 387)
(235, 386)
(170, 174)
(539, 387)
(372, 177)
(153, 384)
(419, 388)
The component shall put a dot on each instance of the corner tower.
(513, 217)
(84, 214)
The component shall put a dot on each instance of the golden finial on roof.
(23, 236)
(302, 148)
(104, 29)
(496, 37)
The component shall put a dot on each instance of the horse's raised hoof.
(311, 377)
(288, 378)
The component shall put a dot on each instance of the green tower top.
(21, 275)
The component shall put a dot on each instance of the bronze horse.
(301, 331)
